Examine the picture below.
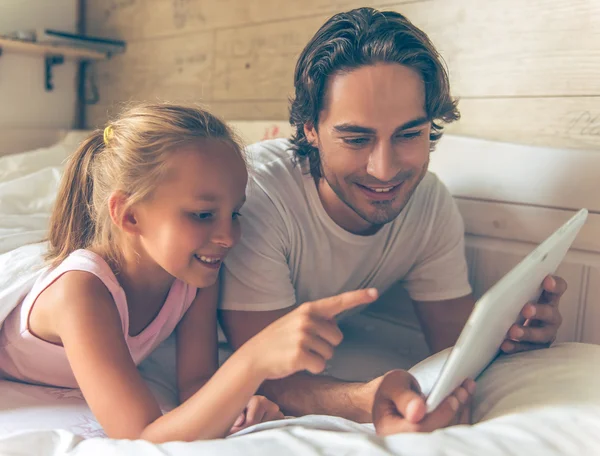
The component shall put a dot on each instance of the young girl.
(145, 214)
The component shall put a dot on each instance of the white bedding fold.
(567, 433)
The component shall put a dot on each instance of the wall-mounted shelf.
(54, 54)
(68, 52)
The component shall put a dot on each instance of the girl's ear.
(121, 214)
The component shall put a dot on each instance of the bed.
(545, 402)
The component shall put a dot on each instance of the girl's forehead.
(207, 167)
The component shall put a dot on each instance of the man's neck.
(341, 213)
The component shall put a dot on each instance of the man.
(348, 203)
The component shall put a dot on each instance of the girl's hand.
(304, 339)
(259, 410)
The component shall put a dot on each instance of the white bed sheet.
(522, 407)
(540, 403)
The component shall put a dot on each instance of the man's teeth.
(381, 190)
(208, 259)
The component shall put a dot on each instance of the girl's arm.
(197, 351)
(197, 358)
(90, 330)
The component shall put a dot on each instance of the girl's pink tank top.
(25, 357)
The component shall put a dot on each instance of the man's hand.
(400, 407)
(542, 320)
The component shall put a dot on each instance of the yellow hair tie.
(108, 135)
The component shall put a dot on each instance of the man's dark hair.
(356, 38)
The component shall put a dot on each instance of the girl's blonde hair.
(130, 156)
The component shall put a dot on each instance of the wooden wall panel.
(251, 110)
(496, 51)
(515, 48)
(178, 68)
(570, 122)
(257, 62)
(525, 71)
(137, 19)
(231, 111)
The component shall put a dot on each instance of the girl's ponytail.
(72, 222)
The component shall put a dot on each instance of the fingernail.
(508, 346)
(462, 395)
(471, 387)
(531, 311)
(453, 402)
(518, 333)
(372, 292)
(412, 409)
(240, 419)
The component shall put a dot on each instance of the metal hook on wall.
(50, 62)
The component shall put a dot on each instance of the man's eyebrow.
(413, 123)
(353, 128)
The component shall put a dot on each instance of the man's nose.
(382, 162)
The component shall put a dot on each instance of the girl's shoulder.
(83, 272)
(74, 286)
(75, 283)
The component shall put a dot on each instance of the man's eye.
(357, 141)
(414, 134)
(236, 215)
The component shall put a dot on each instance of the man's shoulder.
(431, 200)
(273, 168)
(276, 181)
(431, 187)
(270, 154)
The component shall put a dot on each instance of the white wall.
(24, 101)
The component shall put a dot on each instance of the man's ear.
(311, 134)
(121, 214)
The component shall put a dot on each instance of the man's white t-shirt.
(292, 252)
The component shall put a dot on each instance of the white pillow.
(565, 374)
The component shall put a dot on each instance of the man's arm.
(442, 321)
(302, 393)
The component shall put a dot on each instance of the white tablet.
(500, 307)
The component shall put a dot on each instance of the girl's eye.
(202, 215)
(236, 215)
